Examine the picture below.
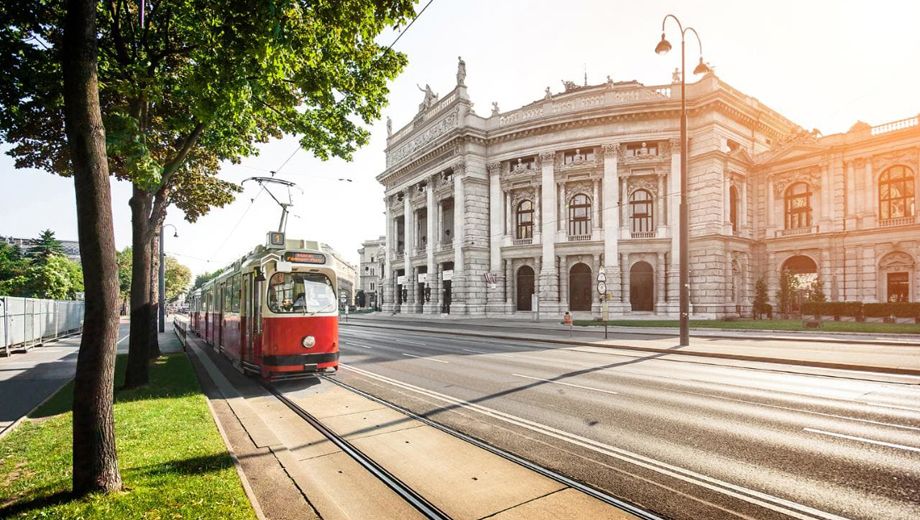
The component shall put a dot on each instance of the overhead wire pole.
(684, 283)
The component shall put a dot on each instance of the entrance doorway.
(642, 286)
(580, 287)
(525, 288)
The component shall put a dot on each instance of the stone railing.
(900, 124)
(446, 246)
(523, 241)
(899, 221)
(579, 238)
(643, 234)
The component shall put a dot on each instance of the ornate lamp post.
(162, 291)
(662, 48)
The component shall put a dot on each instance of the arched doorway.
(803, 275)
(580, 287)
(525, 285)
(642, 286)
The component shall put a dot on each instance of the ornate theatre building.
(517, 211)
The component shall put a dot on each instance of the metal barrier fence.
(27, 322)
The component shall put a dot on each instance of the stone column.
(771, 209)
(509, 225)
(726, 226)
(674, 213)
(431, 306)
(871, 193)
(408, 249)
(537, 229)
(660, 205)
(561, 224)
(623, 208)
(495, 296)
(742, 207)
(611, 216)
(549, 303)
(387, 255)
(458, 284)
(661, 306)
(596, 225)
(509, 285)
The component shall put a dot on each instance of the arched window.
(733, 208)
(580, 215)
(641, 207)
(525, 219)
(798, 206)
(896, 193)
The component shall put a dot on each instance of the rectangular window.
(898, 287)
(235, 295)
(372, 286)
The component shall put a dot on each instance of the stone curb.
(718, 355)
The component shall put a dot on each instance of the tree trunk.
(153, 348)
(95, 464)
(141, 314)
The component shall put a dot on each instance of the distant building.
(370, 270)
(71, 247)
(345, 272)
(510, 212)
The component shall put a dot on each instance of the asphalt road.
(686, 438)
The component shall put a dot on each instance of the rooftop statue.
(461, 71)
(389, 126)
(430, 97)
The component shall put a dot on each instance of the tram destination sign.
(305, 258)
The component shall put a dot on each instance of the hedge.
(898, 310)
(856, 309)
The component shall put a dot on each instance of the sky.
(823, 64)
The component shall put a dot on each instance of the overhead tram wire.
(238, 222)
(404, 31)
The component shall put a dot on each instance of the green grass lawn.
(173, 461)
(830, 326)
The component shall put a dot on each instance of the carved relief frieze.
(810, 175)
(906, 157)
(445, 124)
(896, 261)
(648, 183)
(574, 188)
(522, 194)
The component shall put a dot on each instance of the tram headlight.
(308, 342)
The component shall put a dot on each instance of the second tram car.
(273, 312)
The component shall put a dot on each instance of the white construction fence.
(28, 322)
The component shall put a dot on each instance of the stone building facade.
(370, 270)
(517, 212)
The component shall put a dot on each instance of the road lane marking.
(781, 505)
(426, 358)
(476, 351)
(896, 407)
(611, 392)
(863, 439)
(122, 339)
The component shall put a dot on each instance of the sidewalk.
(281, 454)
(902, 358)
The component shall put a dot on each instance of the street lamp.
(662, 48)
(162, 291)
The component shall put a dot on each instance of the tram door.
(248, 319)
(221, 316)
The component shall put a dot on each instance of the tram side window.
(226, 289)
(235, 295)
(301, 293)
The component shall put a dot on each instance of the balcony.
(900, 221)
(643, 234)
(523, 241)
(446, 246)
(579, 238)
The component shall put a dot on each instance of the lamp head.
(663, 46)
(702, 68)
(175, 234)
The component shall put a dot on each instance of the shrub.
(814, 308)
(899, 310)
(838, 309)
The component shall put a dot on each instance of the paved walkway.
(891, 358)
(28, 379)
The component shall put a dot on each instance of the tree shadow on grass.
(38, 502)
(171, 376)
(189, 466)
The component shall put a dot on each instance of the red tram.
(274, 311)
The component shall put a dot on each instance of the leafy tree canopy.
(204, 278)
(199, 83)
(178, 278)
(45, 247)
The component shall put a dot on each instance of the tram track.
(546, 472)
(405, 492)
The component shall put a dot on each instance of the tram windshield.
(306, 293)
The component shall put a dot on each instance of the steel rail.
(399, 487)
(546, 472)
